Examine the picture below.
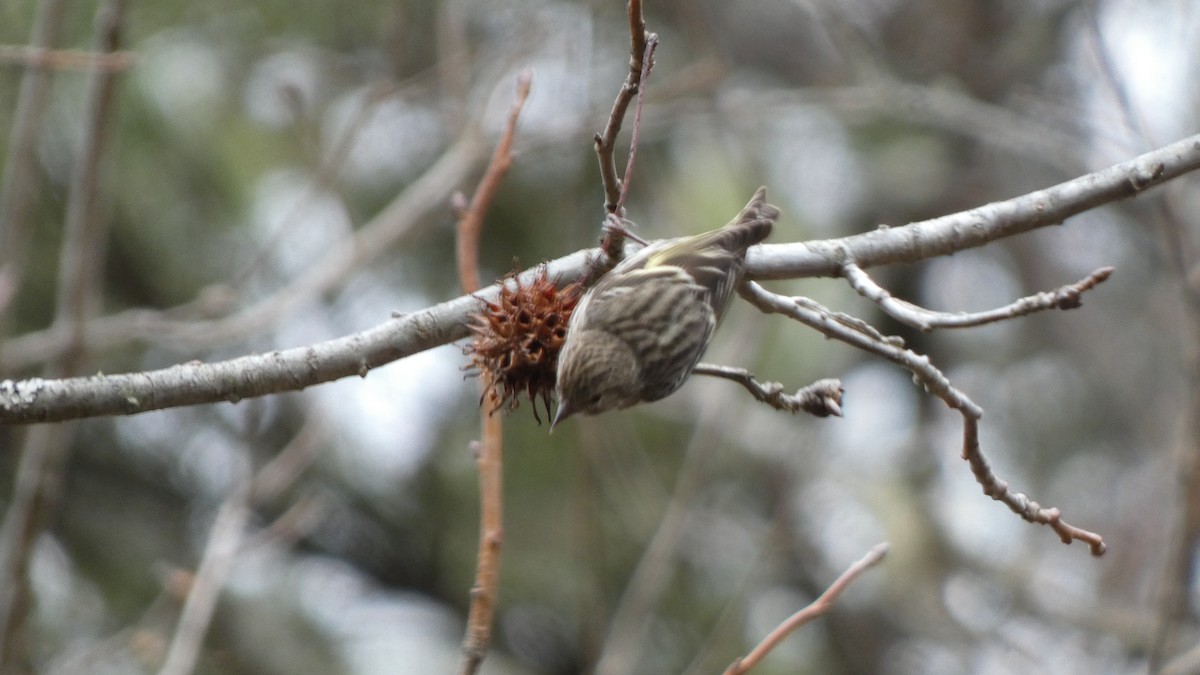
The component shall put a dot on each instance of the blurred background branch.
(44, 453)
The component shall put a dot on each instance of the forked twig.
(934, 382)
(616, 227)
(1065, 297)
(605, 143)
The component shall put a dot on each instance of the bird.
(637, 334)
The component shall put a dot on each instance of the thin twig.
(605, 143)
(277, 476)
(471, 222)
(821, 398)
(490, 452)
(1018, 502)
(308, 510)
(817, 608)
(934, 382)
(1065, 297)
(1035, 135)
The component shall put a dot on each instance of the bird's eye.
(595, 399)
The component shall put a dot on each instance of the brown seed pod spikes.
(518, 337)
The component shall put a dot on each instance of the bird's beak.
(564, 411)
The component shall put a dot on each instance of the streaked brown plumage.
(638, 333)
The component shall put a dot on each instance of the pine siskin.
(638, 333)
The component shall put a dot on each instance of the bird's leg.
(616, 230)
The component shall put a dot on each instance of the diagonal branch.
(52, 400)
(816, 609)
(220, 553)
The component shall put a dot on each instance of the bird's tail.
(752, 225)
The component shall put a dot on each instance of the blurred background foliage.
(250, 140)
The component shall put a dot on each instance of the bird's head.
(597, 372)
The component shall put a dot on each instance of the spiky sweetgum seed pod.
(518, 338)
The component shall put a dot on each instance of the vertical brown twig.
(44, 453)
(491, 449)
(470, 223)
(20, 182)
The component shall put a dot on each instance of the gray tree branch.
(43, 400)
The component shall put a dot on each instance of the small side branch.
(817, 608)
(934, 382)
(821, 398)
(1065, 297)
(1018, 502)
